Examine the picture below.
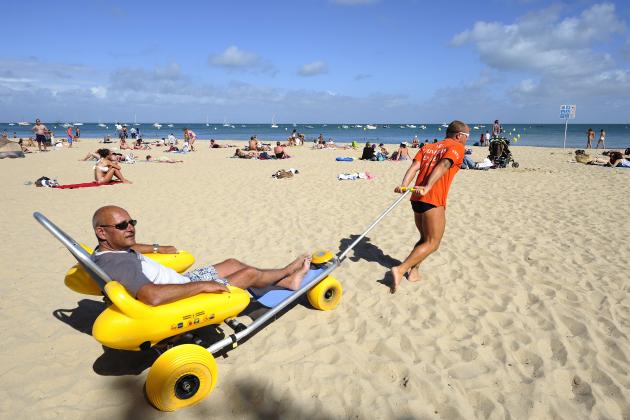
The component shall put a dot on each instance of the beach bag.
(44, 181)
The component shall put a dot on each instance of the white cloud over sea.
(553, 57)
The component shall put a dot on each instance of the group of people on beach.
(590, 136)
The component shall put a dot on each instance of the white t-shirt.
(159, 274)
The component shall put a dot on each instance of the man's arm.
(148, 249)
(440, 169)
(159, 294)
(411, 172)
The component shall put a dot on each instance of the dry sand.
(524, 312)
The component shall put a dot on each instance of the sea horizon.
(525, 134)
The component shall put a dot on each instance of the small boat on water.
(358, 126)
(370, 127)
(157, 125)
(411, 126)
(101, 125)
(344, 127)
(423, 127)
(308, 126)
(11, 123)
(170, 125)
(77, 124)
(24, 123)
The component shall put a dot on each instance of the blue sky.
(315, 61)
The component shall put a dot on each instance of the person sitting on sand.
(415, 143)
(253, 143)
(279, 152)
(368, 152)
(20, 143)
(123, 145)
(120, 256)
(139, 146)
(402, 153)
(106, 169)
(383, 150)
(162, 159)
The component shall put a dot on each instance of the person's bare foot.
(397, 276)
(293, 281)
(413, 275)
(296, 264)
(126, 181)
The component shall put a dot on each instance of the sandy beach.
(524, 311)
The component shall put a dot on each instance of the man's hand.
(421, 190)
(398, 189)
(214, 287)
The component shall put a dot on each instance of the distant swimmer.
(436, 165)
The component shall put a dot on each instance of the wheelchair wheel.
(514, 164)
(181, 377)
(326, 294)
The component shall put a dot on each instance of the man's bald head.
(106, 214)
(456, 127)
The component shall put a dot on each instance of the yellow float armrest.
(126, 303)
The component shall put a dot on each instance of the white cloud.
(556, 55)
(544, 43)
(236, 59)
(99, 91)
(313, 69)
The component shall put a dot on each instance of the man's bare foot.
(126, 181)
(296, 264)
(413, 275)
(293, 281)
(397, 276)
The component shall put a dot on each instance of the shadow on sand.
(367, 251)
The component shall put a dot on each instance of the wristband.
(156, 248)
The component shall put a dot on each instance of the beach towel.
(356, 175)
(344, 159)
(84, 185)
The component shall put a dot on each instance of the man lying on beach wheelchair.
(152, 303)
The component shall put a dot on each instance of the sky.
(315, 61)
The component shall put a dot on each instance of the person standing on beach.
(436, 165)
(40, 134)
(590, 135)
(70, 136)
(602, 139)
(190, 136)
(77, 133)
(496, 129)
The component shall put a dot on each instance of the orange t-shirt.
(429, 156)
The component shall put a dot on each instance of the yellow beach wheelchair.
(183, 374)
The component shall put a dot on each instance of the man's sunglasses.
(122, 225)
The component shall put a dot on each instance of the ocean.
(544, 135)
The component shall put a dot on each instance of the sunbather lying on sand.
(244, 155)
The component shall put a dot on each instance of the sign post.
(567, 112)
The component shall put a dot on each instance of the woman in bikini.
(106, 169)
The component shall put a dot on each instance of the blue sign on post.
(567, 112)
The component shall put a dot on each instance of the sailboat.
(134, 120)
(273, 122)
(225, 123)
(207, 124)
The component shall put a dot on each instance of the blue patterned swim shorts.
(206, 273)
